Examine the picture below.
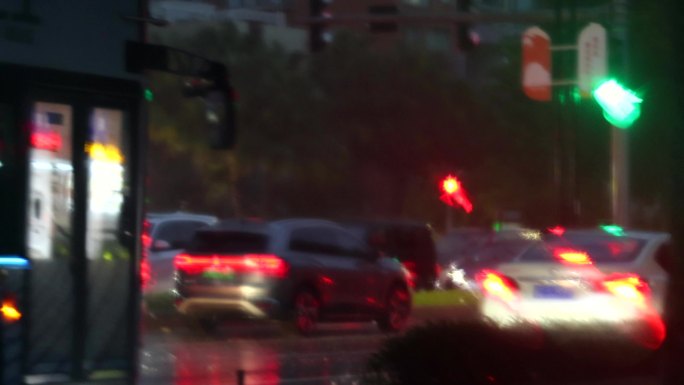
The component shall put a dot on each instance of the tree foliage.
(355, 132)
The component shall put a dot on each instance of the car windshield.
(228, 242)
(598, 249)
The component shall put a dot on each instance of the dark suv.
(302, 270)
(411, 243)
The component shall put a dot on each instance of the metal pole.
(619, 137)
(620, 176)
(449, 218)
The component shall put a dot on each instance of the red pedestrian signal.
(454, 194)
(450, 185)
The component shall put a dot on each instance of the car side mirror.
(161, 245)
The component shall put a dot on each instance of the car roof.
(264, 226)
(638, 234)
(383, 223)
(179, 215)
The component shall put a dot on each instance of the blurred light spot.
(614, 230)
(573, 257)
(9, 310)
(557, 230)
(497, 286)
(532, 235)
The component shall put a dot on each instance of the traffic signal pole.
(619, 168)
(620, 137)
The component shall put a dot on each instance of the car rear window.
(228, 242)
(598, 249)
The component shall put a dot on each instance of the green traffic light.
(621, 106)
(149, 95)
(613, 230)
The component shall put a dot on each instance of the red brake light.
(146, 240)
(498, 285)
(557, 230)
(145, 272)
(630, 287)
(266, 264)
(145, 236)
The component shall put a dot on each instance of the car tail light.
(145, 271)
(556, 230)
(498, 285)
(629, 287)
(146, 240)
(265, 264)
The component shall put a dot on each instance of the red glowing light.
(145, 269)
(266, 264)
(557, 230)
(629, 287)
(327, 280)
(497, 285)
(454, 194)
(450, 185)
(410, 271)
(50, 141)
(145, 272)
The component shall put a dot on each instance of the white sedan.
(582, 279)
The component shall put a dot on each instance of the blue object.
(552, 292)
(14, 262)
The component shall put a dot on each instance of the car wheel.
(397, 311)
(306, 310)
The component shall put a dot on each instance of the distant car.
(583, 279)
(412, 243)
(164, 236)
(302, 270)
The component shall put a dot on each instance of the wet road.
(336, 354)
(176, 354)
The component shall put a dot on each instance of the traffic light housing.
(219, 102)
(464, 35)
(383, 10)
(621, 106)
(319, 36)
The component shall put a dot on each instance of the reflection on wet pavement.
(336, 354)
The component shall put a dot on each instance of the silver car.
(301, 270)
(583, 279)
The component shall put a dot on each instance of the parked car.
(412, 243)
(301, 270)
(164, 236)
(584, 279)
